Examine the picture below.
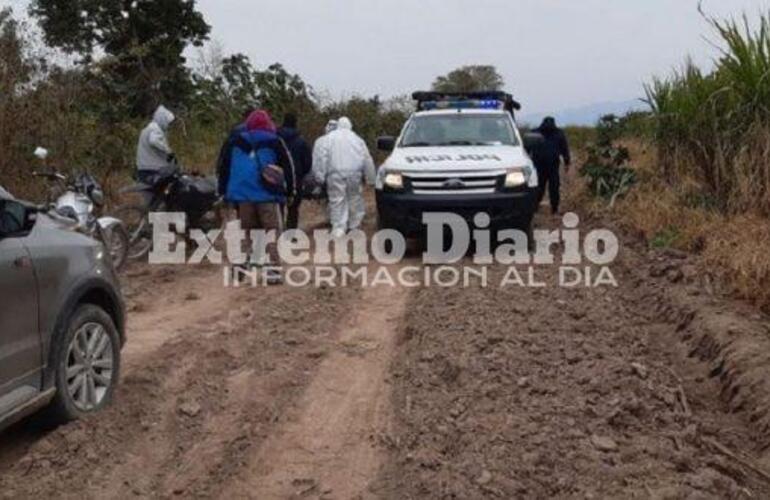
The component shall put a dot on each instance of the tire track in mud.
(189, 412)
(330, 446)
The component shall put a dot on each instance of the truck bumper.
(404, 211)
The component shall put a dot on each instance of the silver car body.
(45, 273)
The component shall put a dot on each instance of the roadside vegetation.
(85, 94)
(712, 130)
(82, 77)
(701, 162)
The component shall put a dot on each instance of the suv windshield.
(460, 129)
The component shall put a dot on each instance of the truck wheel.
(86, 363)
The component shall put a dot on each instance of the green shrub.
(607, 167)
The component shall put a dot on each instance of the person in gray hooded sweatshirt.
(153, 153)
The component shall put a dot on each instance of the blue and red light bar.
(462, 104)
(465, 100)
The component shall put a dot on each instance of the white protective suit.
(153, 151)
(345, 162)
(319, 168)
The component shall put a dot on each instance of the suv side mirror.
(14, 218)
(532, 141)
(386, 143)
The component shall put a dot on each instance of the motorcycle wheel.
(117, 241)
(137, 221)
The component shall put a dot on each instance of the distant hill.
(586, 115)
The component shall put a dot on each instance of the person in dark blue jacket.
(548, 158)
(303, 163)
(250, 152)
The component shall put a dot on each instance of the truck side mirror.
(386, 143)
(532, 141)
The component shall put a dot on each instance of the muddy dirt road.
(391, 392)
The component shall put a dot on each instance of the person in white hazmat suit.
(344, 165)
(318, 147)
(318, 171)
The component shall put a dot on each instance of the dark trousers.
(550, 178)
(149, 177)
(292, 213)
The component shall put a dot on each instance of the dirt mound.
(731, 338)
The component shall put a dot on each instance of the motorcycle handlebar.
(50, 175)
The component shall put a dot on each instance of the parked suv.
(459, 153)
(61, 317)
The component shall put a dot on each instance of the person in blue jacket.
(247, 156)
(225, 153)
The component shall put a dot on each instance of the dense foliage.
(142, 43)
(470, 79)
(90, 122)
(712, 129)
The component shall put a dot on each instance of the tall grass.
(712, 130)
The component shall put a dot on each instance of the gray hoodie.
(153, 150)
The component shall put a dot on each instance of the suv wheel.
(87, 364)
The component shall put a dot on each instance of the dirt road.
(556, 392)
(329, 445)
(341, 393)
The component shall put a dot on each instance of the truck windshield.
(459, 129)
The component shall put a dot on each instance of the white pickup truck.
(458, 153)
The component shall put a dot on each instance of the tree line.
(81, 78)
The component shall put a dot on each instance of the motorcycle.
(170, 190)
(78, 200)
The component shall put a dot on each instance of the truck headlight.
(515, 178)
(394, 180)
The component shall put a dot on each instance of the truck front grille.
(467, 182)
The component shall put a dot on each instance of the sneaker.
(273, 277)
(239, 274)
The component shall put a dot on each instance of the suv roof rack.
(493, 95)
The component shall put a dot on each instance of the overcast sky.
(554, 54)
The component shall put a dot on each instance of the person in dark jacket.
(548, 158)
(303, 163)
